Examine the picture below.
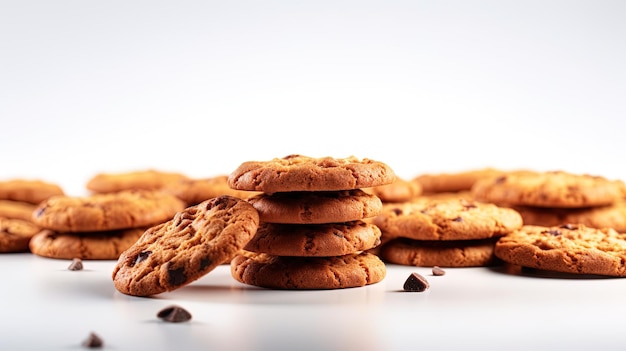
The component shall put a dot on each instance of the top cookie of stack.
(311, 233)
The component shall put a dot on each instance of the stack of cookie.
(312, 233)
(557, 198)
(446, 233)
(18, 199)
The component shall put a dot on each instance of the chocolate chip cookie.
(429, 253)
(195, 190)
(26, 190)
(17, 209)
(15, 234)
(453, 181)
(401, 190)
(150, 179)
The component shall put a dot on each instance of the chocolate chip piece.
(93, 341)
(416, 282)
(76, 265)
(174, 314)
(143, 255)
(438, 271)
(457, 219)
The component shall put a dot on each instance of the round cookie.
(303, 173)
(456, 253)
(548, 189)
(315, 207)
(15, 234)
(569, 249)
(111, 211)
(185, 248)
(400, 190)
(137, 180)
(17, 209)
(455, 219)
(308, 273)
(452, 182)
(334, 239)
(107, 245)
(31, 191)
(194, 191)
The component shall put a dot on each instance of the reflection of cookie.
(124, 209)
(609, 216)
(333, 239)
(462, 253)
(146, 180)
(31, 191)
(447, 220)
(182, 250)
(302, 173)
(194, 191)
(15, 234)
(86, 246)
(282, 272)
(570, 249)
(400, 190)
(306, 207)
(452, 182)
(17, 209)
(548, 189)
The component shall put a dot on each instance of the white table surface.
(45, 306)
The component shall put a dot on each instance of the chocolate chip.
(438, 271)
(553, 232)
(76, 265)
(174, 314)
(143, 255)
(416, 282)
(93, 341)
(176, 277)
(457, 219)
(500, 179)
(569, 226)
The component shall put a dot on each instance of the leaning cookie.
(185, 248)
(569, 248)
(112, 211)
(107, 245)
(308, 273)
(455, 253)
(303, 173)
(26, 190)
(15, 234)
(150, 179)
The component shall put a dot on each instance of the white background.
(201, 86)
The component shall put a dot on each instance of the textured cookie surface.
(306, 273)
(548, 189)
(180, 251)
(570, 249)
(17, 209)
(456, 219)
(401, 190)
(452, 182)
(194, 191)
(146, 179)
(307, 207)
(15, 234)
(111, 211)
(463, 253)
(335, 239)
(31, 191)
(303, 173)
(107, 245)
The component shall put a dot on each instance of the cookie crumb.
(93, 341)
(438, 271)
(76, 265)
(174, 314)
(416, 282)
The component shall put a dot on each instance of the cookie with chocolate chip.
(17, 210)
(195, 190)
(453, 181)
(102, 245)
(108, 211)
(303, 173)
(576, 249)
(15, 234)
(175, 253)
(27, 190)
(149, 179)
(332, 239)
(308, 273)
(450, 253)
(401, 190)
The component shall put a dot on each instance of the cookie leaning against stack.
(312, 233)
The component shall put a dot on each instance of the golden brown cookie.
(548, 189)
(31, 191)
(182, 250)
(110, 211)
(15, 234)
(454, 181)
(17, 209)
(308, 273)
(401, 190)
(313, 207)
(193, 191)
(303, 173)
(569, 248)
(456, 219)
(136, 180)
(106, 245)
(333, 239)
(454, 253)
